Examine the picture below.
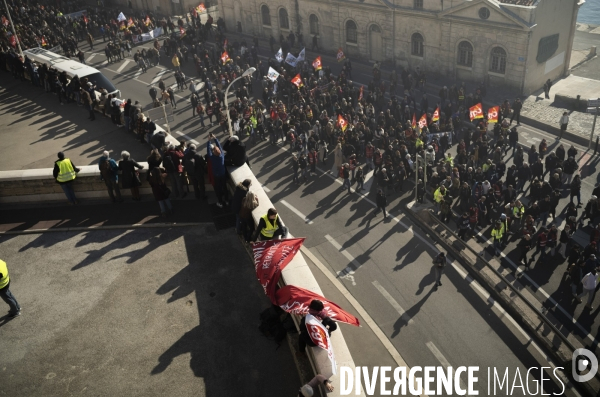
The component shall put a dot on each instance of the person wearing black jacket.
(524, 246)
(235, 152)
(517, 106)
(464, 225)
(195, 165)
(381, 201)
(316, 308)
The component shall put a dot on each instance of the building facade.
(514, 43)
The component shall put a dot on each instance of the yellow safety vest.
(439, 196)
(66, 171)
(504, 227)
(270, 228)
(518, 211)
(450, 160)
(497, 234)
(4, 270)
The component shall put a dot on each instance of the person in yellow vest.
(497, 237)
(175, 61)
(65, 173)
(438, 197)
(270, 227)
(5, 294)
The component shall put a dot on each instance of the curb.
(100, 228)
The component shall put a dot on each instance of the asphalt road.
(385, 265)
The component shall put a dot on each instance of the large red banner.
(270, 258)
(296, 300)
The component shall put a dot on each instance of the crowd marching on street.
(386, 126)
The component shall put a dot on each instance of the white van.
(72, 68)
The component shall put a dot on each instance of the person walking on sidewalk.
(5, 294)
(589, 281)
(517, 106)
(109, 173)
(547, 86)
(381, 201)
(564, 122)
(439, 263)
(65, 173)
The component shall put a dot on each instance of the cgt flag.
(476, 112)
(200, 9)
(317, 64)
(297, 81)
(296, 300)
(225, 57)
(413, 124)
(270, 258)
(423, 121)
(436, 115)
(130, 23)
(342, 123)
(44, 43)
(492, 114)
(320, 337)
(340, 55)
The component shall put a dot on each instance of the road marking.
(393, 302)
(539, 289)
(348, 272)
(158, 76)
(445, 363)
(295, 211)
(138, 74)
(367, 319)
(90, 58)
(187, 137)
(123, 65)
(266, 189)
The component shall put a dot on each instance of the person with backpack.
(195, 165)
(109, 173)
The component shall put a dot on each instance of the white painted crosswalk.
(90, 58)
(124, 65)
(158, 76)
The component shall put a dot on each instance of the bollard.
(596, 148)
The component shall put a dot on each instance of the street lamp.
(245, 74)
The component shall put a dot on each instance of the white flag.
(272, 74)
(320, 337)
(279, 55)
(290, 59)
(121, 17)
(301, 55)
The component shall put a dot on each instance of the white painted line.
(137, 74)
(393, 302)
(348, 272)
(295, 211)
(546, 295)
(445, 363)
(367, 319)
(266, 189)
(187, 137)
(123, 65)
(158, 76)
(90, 58)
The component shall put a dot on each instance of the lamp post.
(245, 74)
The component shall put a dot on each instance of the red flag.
(130, 23)
(13, 40)
(297, 81)
(493, 114)
(225, 57)
(5, 21)
(476, 112)
(182, 32)
(87, 20)
(423, 121)
(342, 123)
(317, 63)
(340, 55)
(122, 25)
(44, 42)
(436, 114)
(360, 93)
(270, 258)
(414, 121)
(295, 300)
(201, 8)
(147, 21)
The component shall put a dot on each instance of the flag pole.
(14, 31)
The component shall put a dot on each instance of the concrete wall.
(551, 17)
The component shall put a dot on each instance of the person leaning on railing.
(269, 227)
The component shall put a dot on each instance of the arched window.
(314, 24)
(498, 60)
(284, 22)
(465, 54)
(351, 32)
(417, 44)
(266, 15)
